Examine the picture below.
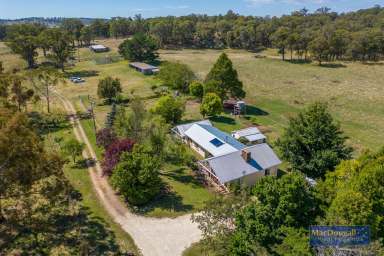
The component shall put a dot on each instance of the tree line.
(40, 212)
(273, 216)
(322, 35)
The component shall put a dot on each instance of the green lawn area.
(353, 91)
(184, 194)
(277, 89)
(81, 182)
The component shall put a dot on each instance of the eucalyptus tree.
(43, 79)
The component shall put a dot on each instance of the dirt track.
(154, 237)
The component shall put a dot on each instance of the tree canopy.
(176, 75)
(137, 176)
(313, 142)
(212, 105)
(23, 40)
(140, 47)
(353, 193)
(227, 77)
(108, 88)
(170, 108)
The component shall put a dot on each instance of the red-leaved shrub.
(105, 137)
(113, 152)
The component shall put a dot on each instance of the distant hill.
(51, 22)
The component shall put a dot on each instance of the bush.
(136, 177)
(212, 105)
(176, 75)
(73, 148)
(313, 142)
(105, 137)
(196, 89)
(108, 88)
(169, 108)
(139, 48)
(113, 153)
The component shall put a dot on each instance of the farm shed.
(249, 136)
(99, 48)
(237, 106)
(144, 68)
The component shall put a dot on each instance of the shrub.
(212, 105)
(196, 89)
(169, 108)
(108, 88)
(139, 48)
(73, 148)
(136, 176)
(105, 137)
(176, 75)
(113, 153)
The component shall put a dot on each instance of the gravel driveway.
(153, 236)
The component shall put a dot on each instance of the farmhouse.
(99, 48)
(245, 166)
(144, 68)
(227, 159)
(249, 136)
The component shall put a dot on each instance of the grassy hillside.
(354, 91)
(276, 89)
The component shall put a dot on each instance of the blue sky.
(151, 8)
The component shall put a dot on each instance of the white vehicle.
(76, 79)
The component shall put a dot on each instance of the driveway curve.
(153, 236)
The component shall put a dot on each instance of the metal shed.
(144, 68)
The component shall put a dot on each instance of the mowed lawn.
(278, 90)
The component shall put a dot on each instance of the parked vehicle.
(76, 79)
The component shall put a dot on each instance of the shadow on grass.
(332, 65)
(167, 201)
(255, 111)
(223, 119)
(299, 61)
(82, 73)
(74, 226)
(84, 163)
(45, 124)
(156, 62)
(373, 63)
(179, 175)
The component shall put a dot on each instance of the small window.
(217, 143)
(267, 172)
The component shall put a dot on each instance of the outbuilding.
(144, 68)
(99, 48)
(249, 136)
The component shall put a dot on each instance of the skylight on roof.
(217, 143)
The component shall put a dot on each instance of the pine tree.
(111, 116)
(224, 73)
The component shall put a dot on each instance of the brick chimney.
(246, 155)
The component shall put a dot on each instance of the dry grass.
(354, 91)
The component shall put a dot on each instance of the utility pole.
(92, 106)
